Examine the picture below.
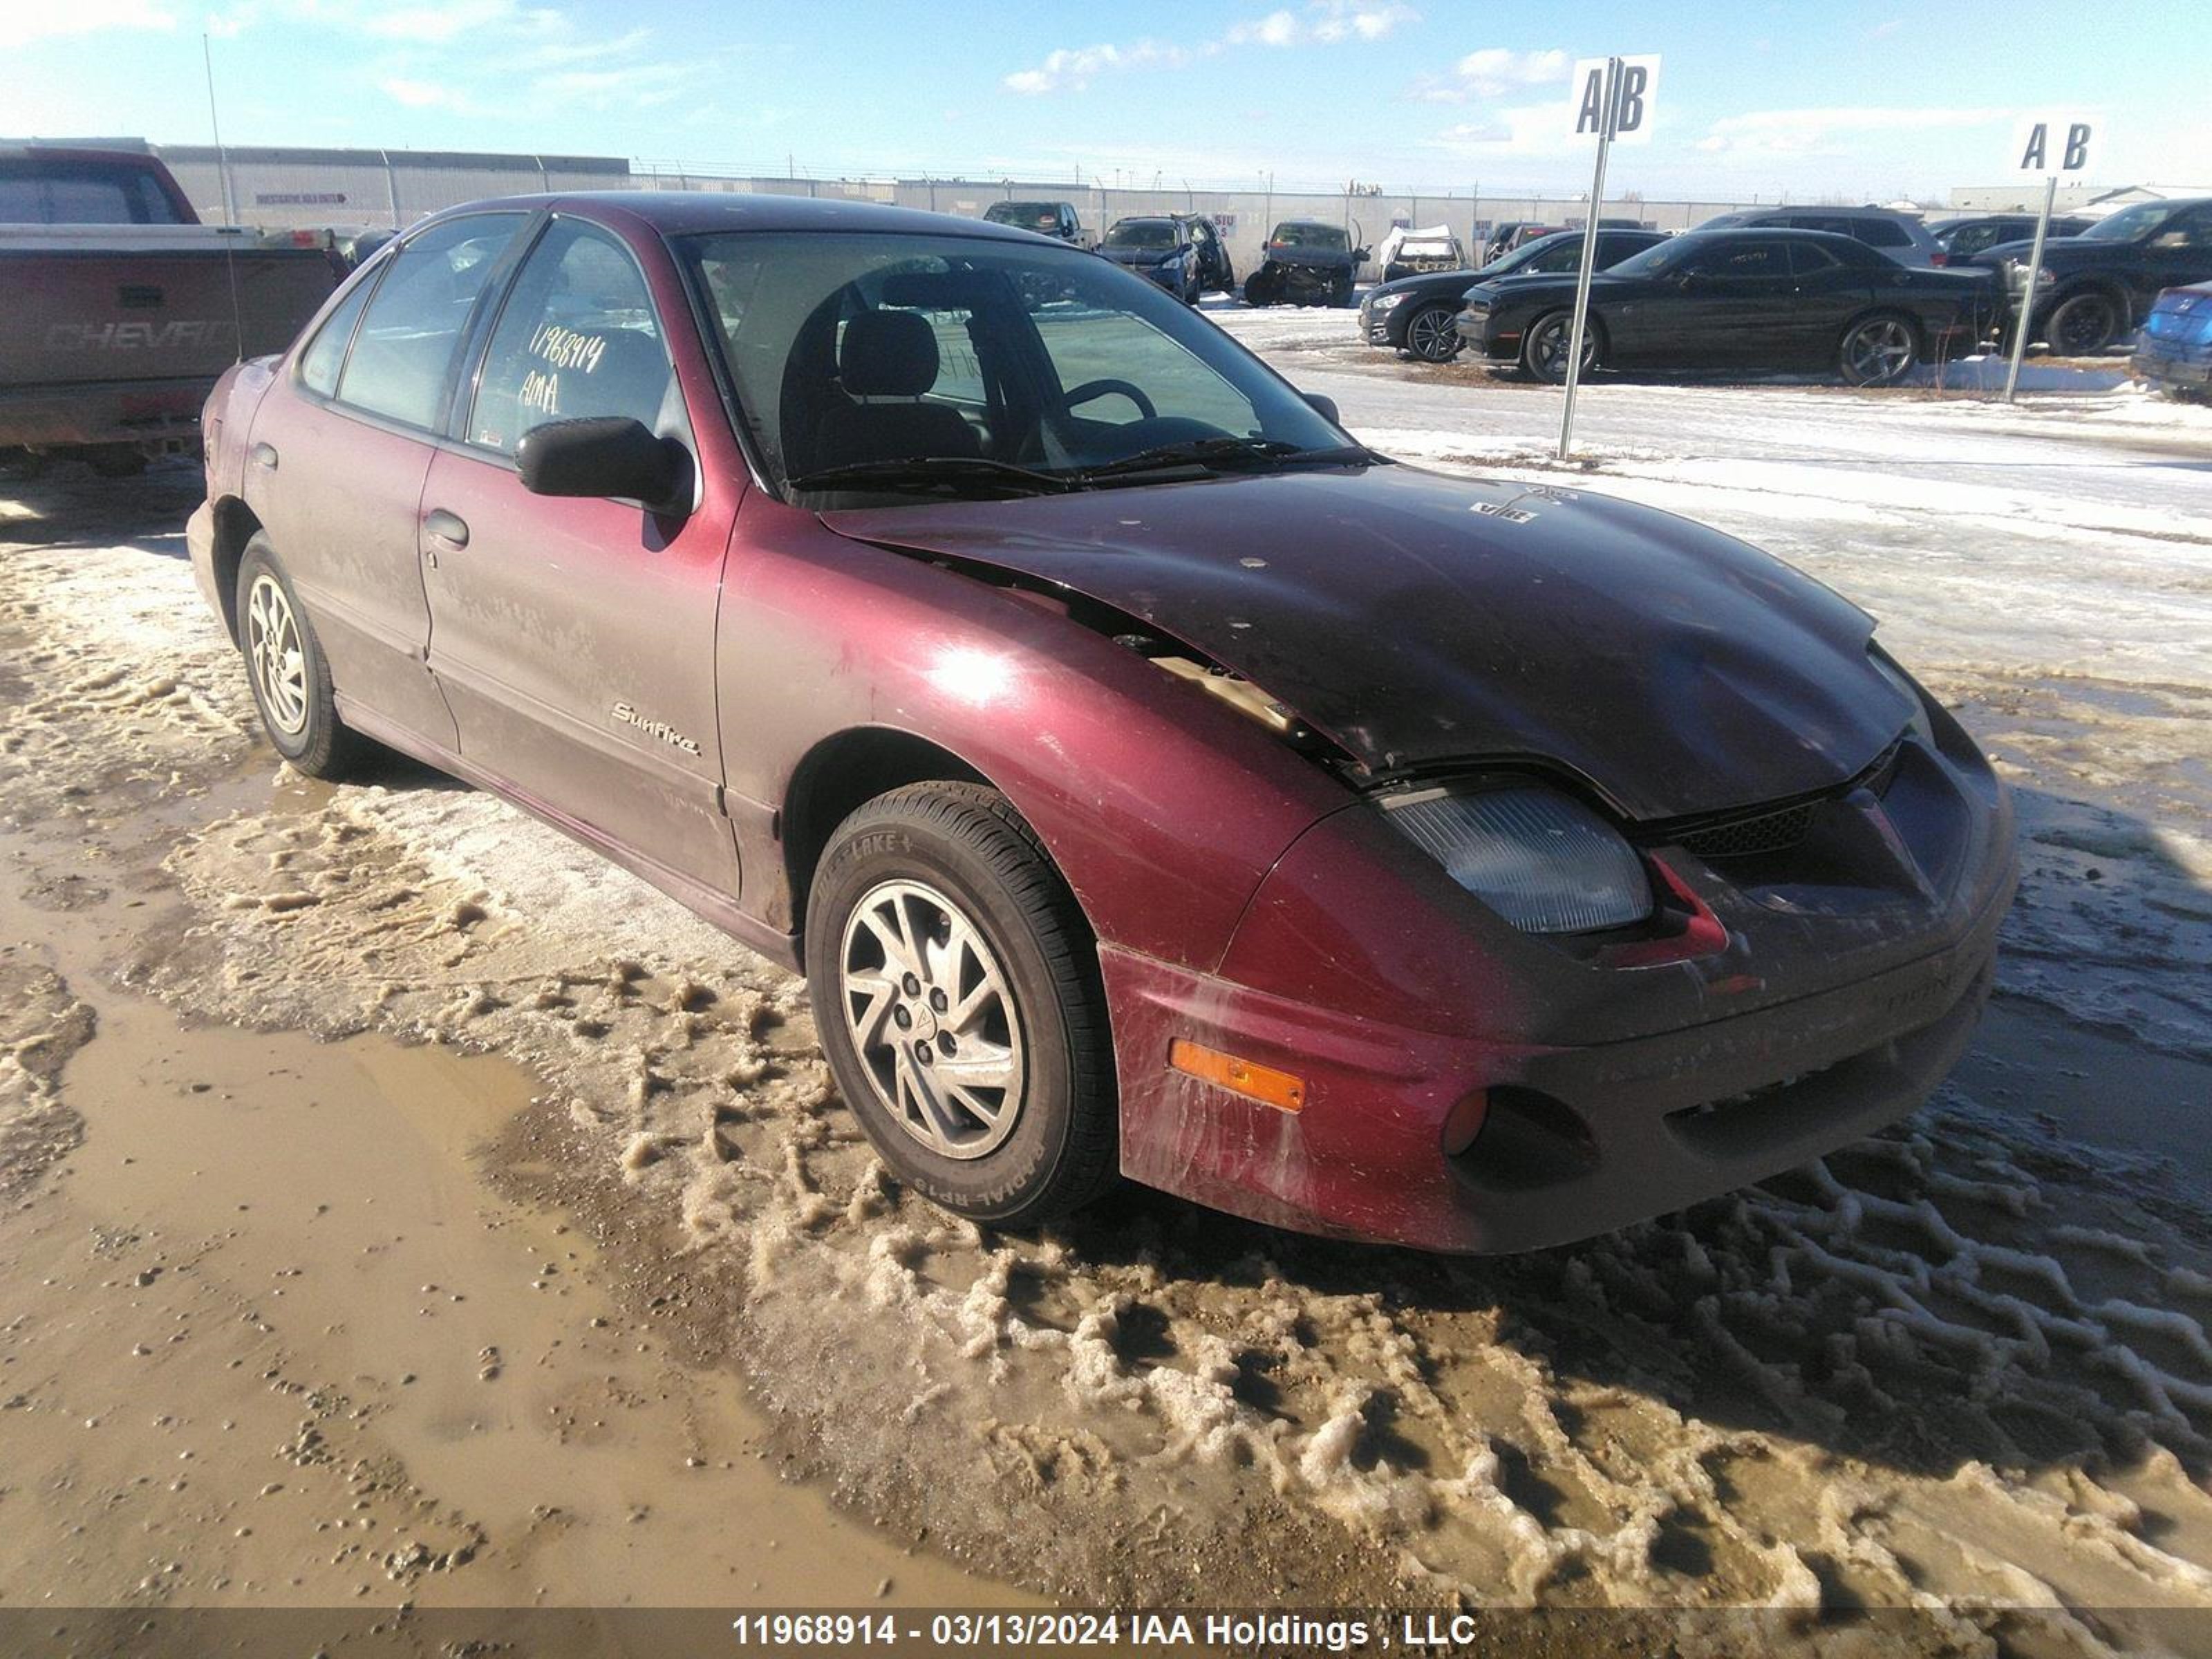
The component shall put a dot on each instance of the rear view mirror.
(1324, 407)
(603, 456)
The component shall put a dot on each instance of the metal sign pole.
(2027, 294)
(1612, 105)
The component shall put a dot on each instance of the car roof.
(1775, 233)
(683, 213)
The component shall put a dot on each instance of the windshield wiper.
(1227, 455)
(943, 473)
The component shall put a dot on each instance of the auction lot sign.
(2051, 146)
(1613, 102)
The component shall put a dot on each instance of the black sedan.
(1414, 313)
(1737, 300)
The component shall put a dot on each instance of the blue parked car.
(2174, 348)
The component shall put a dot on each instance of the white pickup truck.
(118, 308)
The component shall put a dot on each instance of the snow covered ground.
(1962, 1369)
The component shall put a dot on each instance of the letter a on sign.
(1633, 99)
(2049, 144)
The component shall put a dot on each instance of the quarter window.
(405, 347)
(578, 338)
(325, 356)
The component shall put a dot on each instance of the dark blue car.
(2174, 348)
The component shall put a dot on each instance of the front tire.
(1878, 350)
(1433, 334)
(1545, 347)
(288, 674)
(956, 989)
(2081, 325)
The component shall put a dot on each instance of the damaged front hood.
(1420, 620)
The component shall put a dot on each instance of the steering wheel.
(1092, 389)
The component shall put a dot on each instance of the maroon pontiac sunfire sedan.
(1146, 776)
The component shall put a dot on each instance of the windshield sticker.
(1498, 510)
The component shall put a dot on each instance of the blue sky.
(1866, 98)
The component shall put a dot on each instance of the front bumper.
(1477, 331)
(1594, 1097)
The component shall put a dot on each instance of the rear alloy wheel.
(2082, 325)
(1544, 348)
(956, 995)
(1431, 334)
(288, 674)
(1877, 351)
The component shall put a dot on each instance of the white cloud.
(44, 20)
(1323, 22)
(425, 94)
(629, 85)
(1830, 132)
(1072, 68)
(1492, 72)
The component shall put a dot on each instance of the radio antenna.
(229, 211)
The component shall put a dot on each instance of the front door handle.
(448, 527)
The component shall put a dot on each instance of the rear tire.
(290, 676)
(1878, 350)
(956, 988)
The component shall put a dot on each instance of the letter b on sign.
(1635, 96)
(2053, 143)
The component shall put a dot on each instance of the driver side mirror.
(604, 456)
(1359, 254)
(1324, 407)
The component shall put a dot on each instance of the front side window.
(860, 349)
(1743, 261)
(404, 349)
(577, 337)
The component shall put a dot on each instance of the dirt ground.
(399, 1207)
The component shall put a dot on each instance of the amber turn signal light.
(1240, 1077)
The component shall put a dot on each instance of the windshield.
(1305, 233)
(1142, 233)
(1004, 366)
(2131, 224)
(1028, 216)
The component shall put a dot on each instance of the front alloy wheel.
(1431, 336)
(1544, 352)
(957, 997)
(933, 1020)
(1878, 351)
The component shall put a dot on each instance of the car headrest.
(888, 353)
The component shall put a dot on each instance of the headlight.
(1919, 725)
(1545, 863)
(1385, 301)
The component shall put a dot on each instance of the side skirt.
(784, 950)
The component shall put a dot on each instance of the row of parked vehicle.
(1866, 291)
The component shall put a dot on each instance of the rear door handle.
(448, 527)
(264, 455)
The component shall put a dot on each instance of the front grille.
(1775, 831)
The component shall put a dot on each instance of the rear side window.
(320, 363)
(1810, 258)
(578, 337)
(1881, 233)
(405, 346)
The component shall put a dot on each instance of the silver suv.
(1900, 235)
